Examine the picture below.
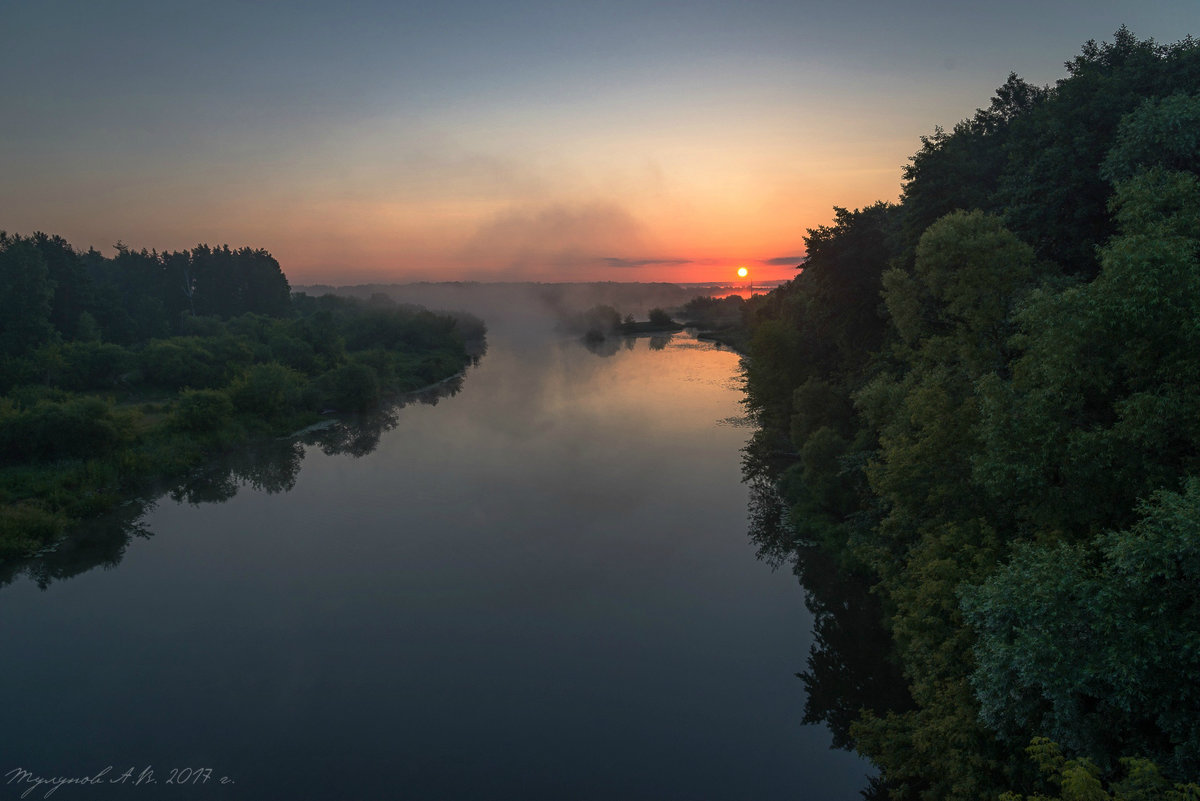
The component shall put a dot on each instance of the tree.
(961, 170)
(202, 410)
(268, 391)
(1097, 645)
(1160, 133)
(1101, 408)
(1053, 193)
(352, 387)
(26, 292)
(1080, 779)
(73, 289)
(598, 322)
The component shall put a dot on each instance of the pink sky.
(553, 141)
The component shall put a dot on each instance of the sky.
(549, 140)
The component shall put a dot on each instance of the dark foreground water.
(538, 588)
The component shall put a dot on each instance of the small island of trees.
(603, 321)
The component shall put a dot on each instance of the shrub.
(24, 529)
(267, 390)
(180, 362)
(50, 430)
(202, 410)
(355, 387)
(82, 366)
(292, 352)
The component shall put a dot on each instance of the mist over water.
(539, 587)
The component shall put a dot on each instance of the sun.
(743, 272)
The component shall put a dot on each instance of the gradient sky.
(549, 140)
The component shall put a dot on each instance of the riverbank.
(69, 456)
(736, 339)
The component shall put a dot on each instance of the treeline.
(713, 316)
(115, 373)
(984, 399)
(603, 321)
(48, 290)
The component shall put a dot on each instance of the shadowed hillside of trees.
(119, 372)
(982, 401)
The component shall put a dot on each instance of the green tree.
(202, 410)
(961, 170)
(73, 289)
(227, 283)
(269, 391)
(1080, 779)
(1101, 408)
(1098, 644)
(26, 292)
(1053, 192)
(951, 314)
(353, 387)
(181, 362)
(1160, 133)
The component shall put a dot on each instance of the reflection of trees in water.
(769, 530)
(850, 666)
(611, 345)
(603, 346)
(360, 435)
(270, 466)
(99, 543)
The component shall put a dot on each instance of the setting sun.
(743, 272)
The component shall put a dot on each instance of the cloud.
(557, 236)
(625, 263)
(786, 261)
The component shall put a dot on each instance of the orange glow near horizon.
(374, 267)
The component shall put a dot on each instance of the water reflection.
(606, 346)
(850, 666)
(99, 543)
(269, 466)
(539, 590)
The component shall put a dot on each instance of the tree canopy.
(984, 399)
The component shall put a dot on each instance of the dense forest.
(983, 401)
(116, 373)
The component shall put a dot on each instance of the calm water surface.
(538, 588)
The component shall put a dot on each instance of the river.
(539, 587)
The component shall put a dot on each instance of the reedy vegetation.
(989, 395)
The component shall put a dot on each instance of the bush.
(292, 352)
(202, 410)
(192, 325)
(269, 391)
(180, 362)
(82, 366)
(24, 529)
(354, 388)
(50, 430)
